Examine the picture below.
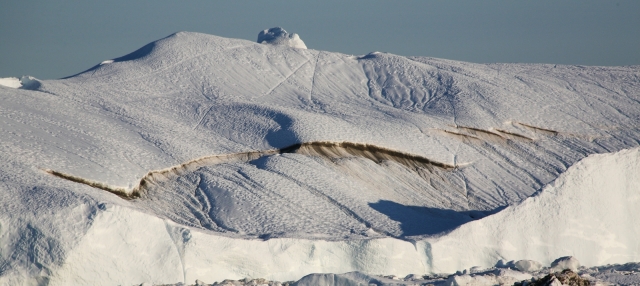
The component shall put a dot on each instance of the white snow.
(589, 213)
(567, 262)
(278, 36)
(526, 265)
(24, 82)
(543, 228)
(447, 165)
(12, 82)
(152, 249)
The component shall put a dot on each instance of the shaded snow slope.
(508, 128)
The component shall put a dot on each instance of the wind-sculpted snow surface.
(416, 153)
(573, 216)
(328, 150)
(293, 195)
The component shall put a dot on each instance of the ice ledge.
(151, 249)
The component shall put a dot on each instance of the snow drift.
(441, 153)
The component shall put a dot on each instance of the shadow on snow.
(420, 220)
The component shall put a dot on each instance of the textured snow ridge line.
(119, 191)
(512, 135)
(538, 129)
(154, 176)
(471, 134)
(375, 153)
(325, 149)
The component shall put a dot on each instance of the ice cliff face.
(297, 155)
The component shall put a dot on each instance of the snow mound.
(527, 265)
(567, 262)
(278, 36)
(24, 82)
(29, 82)
(12, 82)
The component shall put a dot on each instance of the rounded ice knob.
(278, 36)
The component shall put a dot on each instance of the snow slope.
(589, 212)
(210, 133)
(572, 216)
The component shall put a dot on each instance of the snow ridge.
(326, 149)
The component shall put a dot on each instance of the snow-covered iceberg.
(201, 157)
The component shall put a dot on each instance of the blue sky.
(54, 39)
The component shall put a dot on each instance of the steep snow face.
(589, 212)
(278, 36)
(507, 130)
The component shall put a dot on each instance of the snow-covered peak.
(278, 36)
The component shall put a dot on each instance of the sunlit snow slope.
(198, 151)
